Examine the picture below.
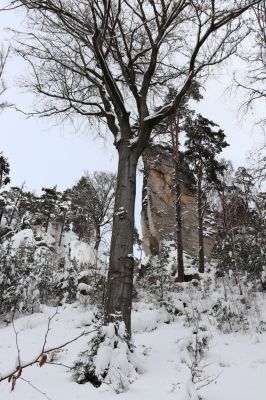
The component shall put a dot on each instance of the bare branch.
(16, 373)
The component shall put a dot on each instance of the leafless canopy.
(112, 59)
(3, 58)
(255, 57)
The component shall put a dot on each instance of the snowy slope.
(236, 362)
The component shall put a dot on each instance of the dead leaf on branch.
(14, 379)
(43, 360)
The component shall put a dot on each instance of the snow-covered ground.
(234, 363)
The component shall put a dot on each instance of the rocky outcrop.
(158, 206)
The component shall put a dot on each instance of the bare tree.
(94, 195)
(110, 60)
(257, 164)
(3, 59)
(254, 55)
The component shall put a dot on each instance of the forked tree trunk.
(121, 266)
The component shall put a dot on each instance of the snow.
(236, 362)
(83, 287)
(121, 211)
(82, 252)
(118, 137)
(117, 360)
(159, 113)
(263, 275)
(146, 319)
(22, 238)
(133, 141)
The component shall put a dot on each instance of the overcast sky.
(44, 155)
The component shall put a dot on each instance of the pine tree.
(46, 266)
(66, 280)
(203, 144)
(168, 132)
(64, 214)
(4, 171)
(48, 203)
(18, 281)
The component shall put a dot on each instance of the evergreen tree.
(222, 192)
(203, 144)
(4, 171)
(64, 213)
(168, 133)
(242, 246)
(18, 283)
(66, 280)
(12, 198)
(46, 266)
(48, 203)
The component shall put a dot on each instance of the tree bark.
(47, 222)
(97, 237)
(200, 222)
(179, 237)
(1, 216)
(62, 229)
(178, 209)
(120, 275)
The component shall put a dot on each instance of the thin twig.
(48, 329)
(36, 360)
(208, 382)
(36, 388)
(16, 334)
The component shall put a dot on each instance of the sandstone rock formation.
(158, 207)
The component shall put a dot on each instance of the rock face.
(158, 205)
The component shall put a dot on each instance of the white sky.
(44, 155)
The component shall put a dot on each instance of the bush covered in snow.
(108, 359)
(91, 284)
(155, 280)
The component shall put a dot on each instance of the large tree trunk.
(200, 207)
(120, 274)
